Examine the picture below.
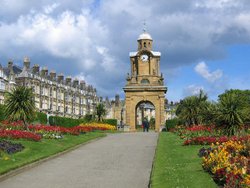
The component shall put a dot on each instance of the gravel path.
(116, 161)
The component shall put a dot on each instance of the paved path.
(116, 161)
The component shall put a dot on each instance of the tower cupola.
(145, 40)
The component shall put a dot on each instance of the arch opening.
(145, 109)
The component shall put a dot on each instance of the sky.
(204, 44)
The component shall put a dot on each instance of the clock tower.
(145, 82)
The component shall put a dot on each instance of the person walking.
(145, 124)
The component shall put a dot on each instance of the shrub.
(110, 121)
(89, 117)
(65, 121)
(2, 117)
(171, 123)
(41, 118)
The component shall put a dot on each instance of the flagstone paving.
(116, 161)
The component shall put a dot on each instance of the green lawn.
(178, 166)
(46, 147)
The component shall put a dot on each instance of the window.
(2, 85)
(145, 81)
(144, 44)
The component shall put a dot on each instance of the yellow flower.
(5, 158)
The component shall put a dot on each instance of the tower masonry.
(145, 82)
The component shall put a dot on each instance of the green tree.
(233, 110)
(191, 109)
(243, 98)
(100, 111)
(19, 105)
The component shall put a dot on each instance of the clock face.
(144, 57)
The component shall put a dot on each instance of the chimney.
(36, 69)
(10, 64)
(44, 72)
(10, 67)
(53, 75)
(75, 83)
(89, 88)
(68, 80)
(26, 63)
(60, 78)
(117, 100)
(82, 85)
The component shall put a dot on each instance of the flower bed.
(15, 130)
(10, 147)
(45, 129)
(17, 125)
(194, 131)
(228, 163)
(197, 128)
(19, 134)
(99, 126)
(207, 140)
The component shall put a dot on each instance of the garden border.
(153, 164)
(40, 161)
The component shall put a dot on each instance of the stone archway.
(144, 109)
(135, 98)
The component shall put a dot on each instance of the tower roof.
(145, 35)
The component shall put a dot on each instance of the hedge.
(110, 121)
(40, 118)
(70, 122)
(171, 123)
(2, 116)
(64, 121)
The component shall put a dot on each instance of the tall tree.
(100, 111)
(233, 110)
(20, 105)
(191, 109)
(243, 98)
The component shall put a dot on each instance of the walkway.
(116, 161)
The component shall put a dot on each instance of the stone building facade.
(115, 109)
(53, 94)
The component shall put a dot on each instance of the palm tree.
(100, 111)
(192, 108)
(187, 110)
(229, 114)
(19, 105)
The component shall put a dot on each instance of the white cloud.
(218, 4)
(203, 70)
(94, 37)
(108, 62)
(50, 8)
(192, 90)
(68, 36)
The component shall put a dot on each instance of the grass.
(35, 151)
(178, 166)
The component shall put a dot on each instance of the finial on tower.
(144, 26)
